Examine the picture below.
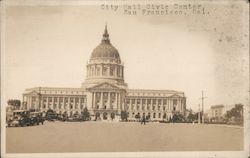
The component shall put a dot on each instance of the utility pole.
(199, 115)
(202, 106)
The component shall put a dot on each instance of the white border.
(231, 154)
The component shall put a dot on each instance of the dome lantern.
(105, 37)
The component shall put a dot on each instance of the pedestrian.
(144, 119)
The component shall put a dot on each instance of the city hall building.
(105, 92)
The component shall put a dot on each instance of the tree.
(85, 114)
(235, 113)
(192, 117)
(178, 117)
(15, 103)
(124, 116)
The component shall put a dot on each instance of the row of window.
(61, 92)
(133, 107)
(147, 94)
(105, 72)
(59, 106)
(60, 99)
(149, 101)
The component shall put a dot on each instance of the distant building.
(105, 93)
(217, 112)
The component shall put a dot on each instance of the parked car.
(19, 118)
(36, 118)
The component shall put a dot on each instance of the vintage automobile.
(36, 118)
(25, 118)
(51, 116)
(19, 118)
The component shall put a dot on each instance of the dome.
(105, 49)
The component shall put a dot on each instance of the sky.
(51, 45)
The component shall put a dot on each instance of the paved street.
(114, 137)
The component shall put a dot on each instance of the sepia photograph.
(125, 78)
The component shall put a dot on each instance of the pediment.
(104, 86)
(175, 96)
(32, 93)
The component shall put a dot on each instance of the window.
(148, 107)
(159, 115)
(164, 102)
(143, 101)
(175, 102)
(98, 71)
(153, 107)
(149, 101)
(111, 71)
(154, 101)
(153, 115)
(159, 101)
(128, 101)
(92, 72)
(104, 72)
(138, 101)
(133, 101)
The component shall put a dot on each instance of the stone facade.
(104, 92)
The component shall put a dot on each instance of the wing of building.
(104, 92)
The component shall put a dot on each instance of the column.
(179, 104)
(141, 105)
(53, 103)
(94, 100)
(118, 100)
(108, 102)
(162, 105)
(47, 102)
(79, 105)
(101, 102)
(63, 103)
(130, 104)
(152, 104)
(115, 102)
(28, 102)
(74, 103)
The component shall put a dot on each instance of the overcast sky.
(50, 46)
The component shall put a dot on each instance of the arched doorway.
(112, 115)
(105, 116)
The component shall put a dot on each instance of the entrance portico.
(106, 99)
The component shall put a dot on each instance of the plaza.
(53, 137)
